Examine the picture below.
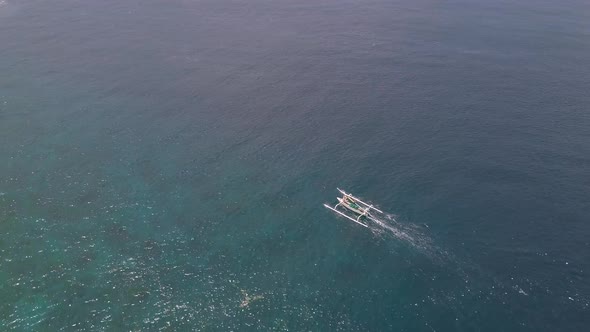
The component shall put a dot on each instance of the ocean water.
(163, 165)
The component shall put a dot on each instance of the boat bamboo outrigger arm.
(358, 200)
(345, 215)
(354, 205)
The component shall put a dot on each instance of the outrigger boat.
(354, 208)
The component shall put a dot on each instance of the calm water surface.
(163, 165)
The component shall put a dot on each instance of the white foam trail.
(398, 233)
(411, 234)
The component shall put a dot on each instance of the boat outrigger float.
(354, 209)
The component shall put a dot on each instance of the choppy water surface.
(163, 165)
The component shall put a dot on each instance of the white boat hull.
(360, 208)
(359, 201)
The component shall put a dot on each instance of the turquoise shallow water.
(163, 165)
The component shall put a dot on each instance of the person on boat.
(346, 199)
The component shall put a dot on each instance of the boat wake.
(386, 227)
(389, 226)
(383, 224)
(393, 228)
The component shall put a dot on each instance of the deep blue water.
(163, 165)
